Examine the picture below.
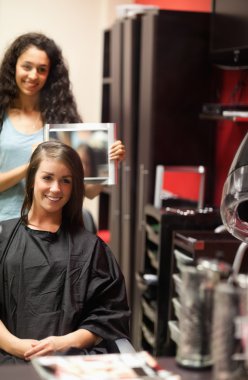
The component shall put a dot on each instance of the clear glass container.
(234, 203)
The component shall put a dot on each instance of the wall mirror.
(92, 141)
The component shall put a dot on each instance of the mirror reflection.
(92, 147)
(92, 142)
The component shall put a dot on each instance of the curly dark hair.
(57, 103)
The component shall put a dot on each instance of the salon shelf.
(148, 335)
(153, 258)
(156, 124)
(235, 119)
(149, 311)
(156, 298)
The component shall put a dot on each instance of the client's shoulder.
(7, 227)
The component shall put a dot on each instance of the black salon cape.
(56, 283)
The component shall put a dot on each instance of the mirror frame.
(109, 128)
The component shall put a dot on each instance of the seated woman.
(60, 286)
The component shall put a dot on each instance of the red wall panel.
(232, 89)
(182, 5)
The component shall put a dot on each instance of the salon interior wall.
(230, 87)
(77, 26)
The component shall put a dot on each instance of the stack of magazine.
(139, 365)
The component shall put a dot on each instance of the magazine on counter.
(138, 365)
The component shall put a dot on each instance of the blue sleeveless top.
(15, 150)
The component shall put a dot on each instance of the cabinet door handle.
(142, 173)
(127, 170)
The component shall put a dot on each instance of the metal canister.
(198, 285)
(230, 330)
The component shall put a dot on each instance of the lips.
(31, 85)
(53, 199)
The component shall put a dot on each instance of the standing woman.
(60, 286)
(34, 90)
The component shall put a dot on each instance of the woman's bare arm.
(92, 190)
(12, 177)
(78, 339)
(13, 345)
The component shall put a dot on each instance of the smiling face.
(52, 187)
(32, 70)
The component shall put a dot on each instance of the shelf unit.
(190, 246)
(220, 112)
(199, 244)
(157, 79)
(235, 119)
(156, 292)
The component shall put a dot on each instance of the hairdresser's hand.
(117, 151)
(47, 346)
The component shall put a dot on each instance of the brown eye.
(42, 70)
(47, 178)
(27, 67)
(67, 180)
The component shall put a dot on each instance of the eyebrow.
(31, 63)
(50, 173)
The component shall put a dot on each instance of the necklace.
(36, 122)
(26, 121)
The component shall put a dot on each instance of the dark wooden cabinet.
(158, 79)
(174, 80)
(152, 333)
(130, 106)
(123, 95)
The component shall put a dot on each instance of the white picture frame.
(94, 138)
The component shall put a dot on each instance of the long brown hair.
(72, 211)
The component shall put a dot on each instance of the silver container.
(195, 324)
(230, 330)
